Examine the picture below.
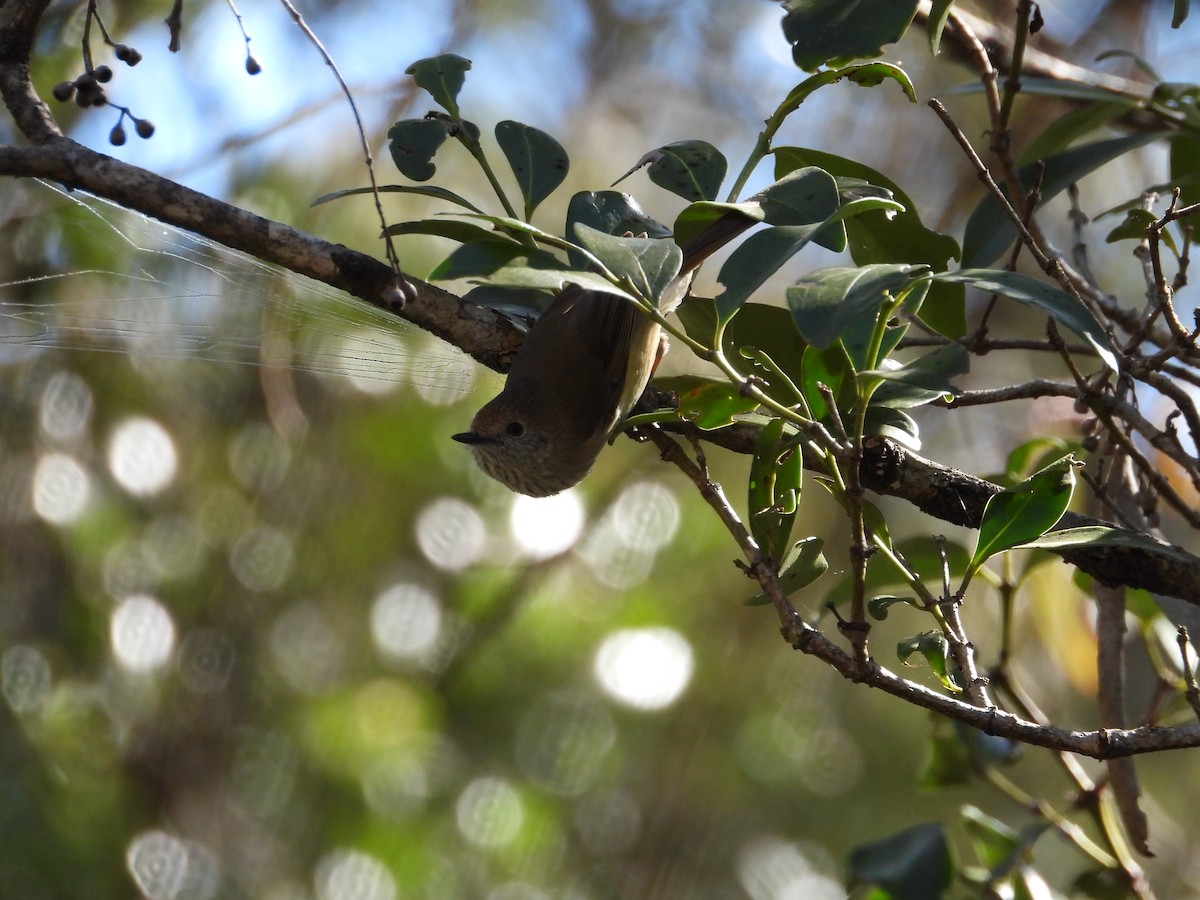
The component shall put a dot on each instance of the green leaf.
(893, 423)
(1053, 87)
(766, 329)
(824, 302)
(804, 196)
(877, 607)
(650, 264)
(990, 231)
(803, 565)
(831, 367)
(538, 161)
(755, 260)
(1133, 227)
(763, 253)
(1066, 129)
(939, 12)
(773, 488)
(413, 144)
(913, 864)
(611, 212)
(693, 170)
(454, 229)
(1024, 459)
(708, 402)
(1024, 512)
(1049, 298)
(821, 31)
(422, 189)
(507, 263)
(891, 236)
(696, 217)
(947, 762)
(442, 77)
(1104, 536)
(933, 646)
(1185, 167)
(923, 380)
(994, 842)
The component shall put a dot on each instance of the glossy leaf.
(878, 607)
(763, 253)
(994, 842)
(538, 161)
(1029, 456)
(442, 77)
(413, 143)
(914, 864)
(773, 488)
(612, 212)
(803, 565)
(1066, 129)
(454, 229)
(891, 236)
(935, 24)
(422, 189)
(896, 424)
(1105, 536)
(692, 169)
(509, 264)
(825, 301)
(708, 402)
(1024, 512)
(935, 650)
(923, 380)
(1049, 298)
(1185, 167)
(989, 230)
(649, 264)
(831, 367)
(821, 31)
(695, 217)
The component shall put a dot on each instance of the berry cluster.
(88, 90)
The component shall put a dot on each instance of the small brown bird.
(582, 367)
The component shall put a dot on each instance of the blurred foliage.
(266, 632)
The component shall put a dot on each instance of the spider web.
(174, 294)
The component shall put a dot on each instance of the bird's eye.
(515, 429)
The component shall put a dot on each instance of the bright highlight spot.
(771, 868)
(451, 534)
(24, 678)
(61, 489)
(405, 622)
(489, 812)
(646, 515)
(644, 668)
(158, 863)
(141, 457)
(353, 875)
(142, 633)
(66, 406)
(545, 526)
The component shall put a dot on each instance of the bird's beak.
(470, 437)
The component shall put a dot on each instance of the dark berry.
(252, 65)
(144, 127)
(116, 137)
(64, 91)
(102, 74)
(131, 56)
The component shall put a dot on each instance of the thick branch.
(959, 497)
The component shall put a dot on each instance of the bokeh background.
(266, 632)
